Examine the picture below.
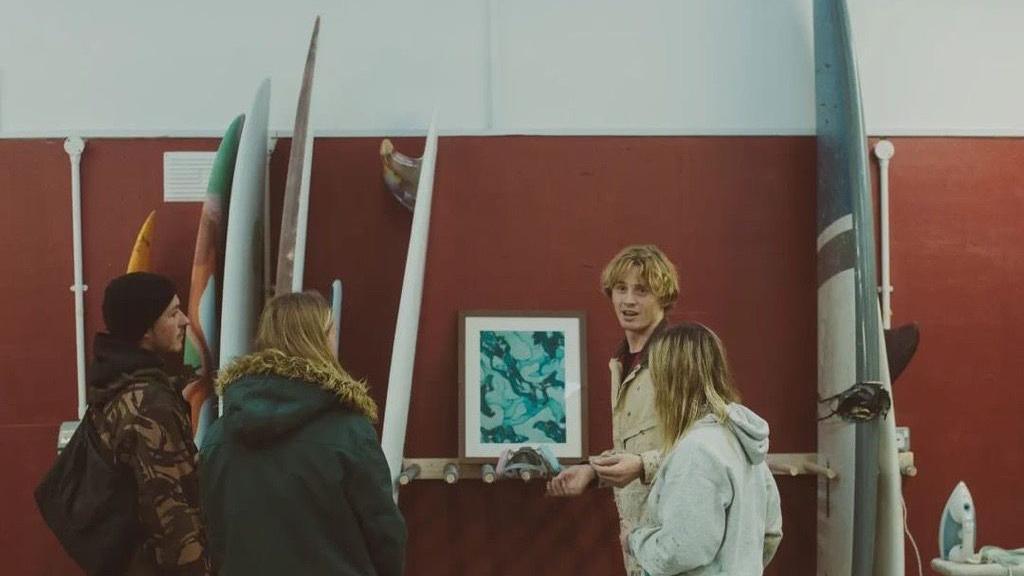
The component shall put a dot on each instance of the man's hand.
(572, 481)
(618, 469)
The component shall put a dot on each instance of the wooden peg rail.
(797, 464)
(452, 470)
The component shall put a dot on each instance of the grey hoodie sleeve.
(773, 519)
(693, 501)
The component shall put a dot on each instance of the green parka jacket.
(292, 475)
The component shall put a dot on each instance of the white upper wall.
(124, 67)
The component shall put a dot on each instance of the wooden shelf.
(451, 470)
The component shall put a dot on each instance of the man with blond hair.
(642, 284)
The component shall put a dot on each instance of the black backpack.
(90, 504)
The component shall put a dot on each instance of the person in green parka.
(293, 477)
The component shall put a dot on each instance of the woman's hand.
(618, 469)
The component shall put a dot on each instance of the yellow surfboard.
(140, 261)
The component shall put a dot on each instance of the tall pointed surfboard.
(291, 252)
(403, 351)
(140, 261)
(202, 336)
(243, 249)
(858, 512)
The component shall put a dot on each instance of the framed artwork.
(522, 382)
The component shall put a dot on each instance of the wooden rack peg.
(487, 474)
(409, 474)
(784, 469)
(907, 467)
(451, 473)
(821, 470)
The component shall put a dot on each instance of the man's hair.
(654, 268)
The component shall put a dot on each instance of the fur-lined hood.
(268, 394)
(351, 393)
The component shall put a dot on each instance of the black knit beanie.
(132, 304)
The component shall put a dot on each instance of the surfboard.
(889, 543)
(202, 334)
(403, 350)
(336, 296)
(291, 252)
(856, 514)
(243, 249)
(139, 261)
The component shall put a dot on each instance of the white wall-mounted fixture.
(884, 151)
(186, 175)
(74, 147)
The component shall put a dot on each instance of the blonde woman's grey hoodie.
(714, 507)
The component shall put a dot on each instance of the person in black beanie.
(143, 308)
(142, 419)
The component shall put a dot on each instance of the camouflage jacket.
(141, 417)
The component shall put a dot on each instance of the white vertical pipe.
(74, 146)
(884, 150)
(403, 351)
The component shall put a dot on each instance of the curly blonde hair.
(654, 268)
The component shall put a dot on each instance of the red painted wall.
(528, 223)
(958, 260)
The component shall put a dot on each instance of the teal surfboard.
(203, 332)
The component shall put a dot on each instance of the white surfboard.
(243, 250)
(889, 542)
(403, 351)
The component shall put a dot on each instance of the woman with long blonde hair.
(714, 507)
(293, 478)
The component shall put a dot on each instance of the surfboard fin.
(401, 173)
(900, 347)
(140, 260)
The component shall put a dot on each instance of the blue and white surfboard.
(859, 524)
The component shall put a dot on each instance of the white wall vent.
(186, 175)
